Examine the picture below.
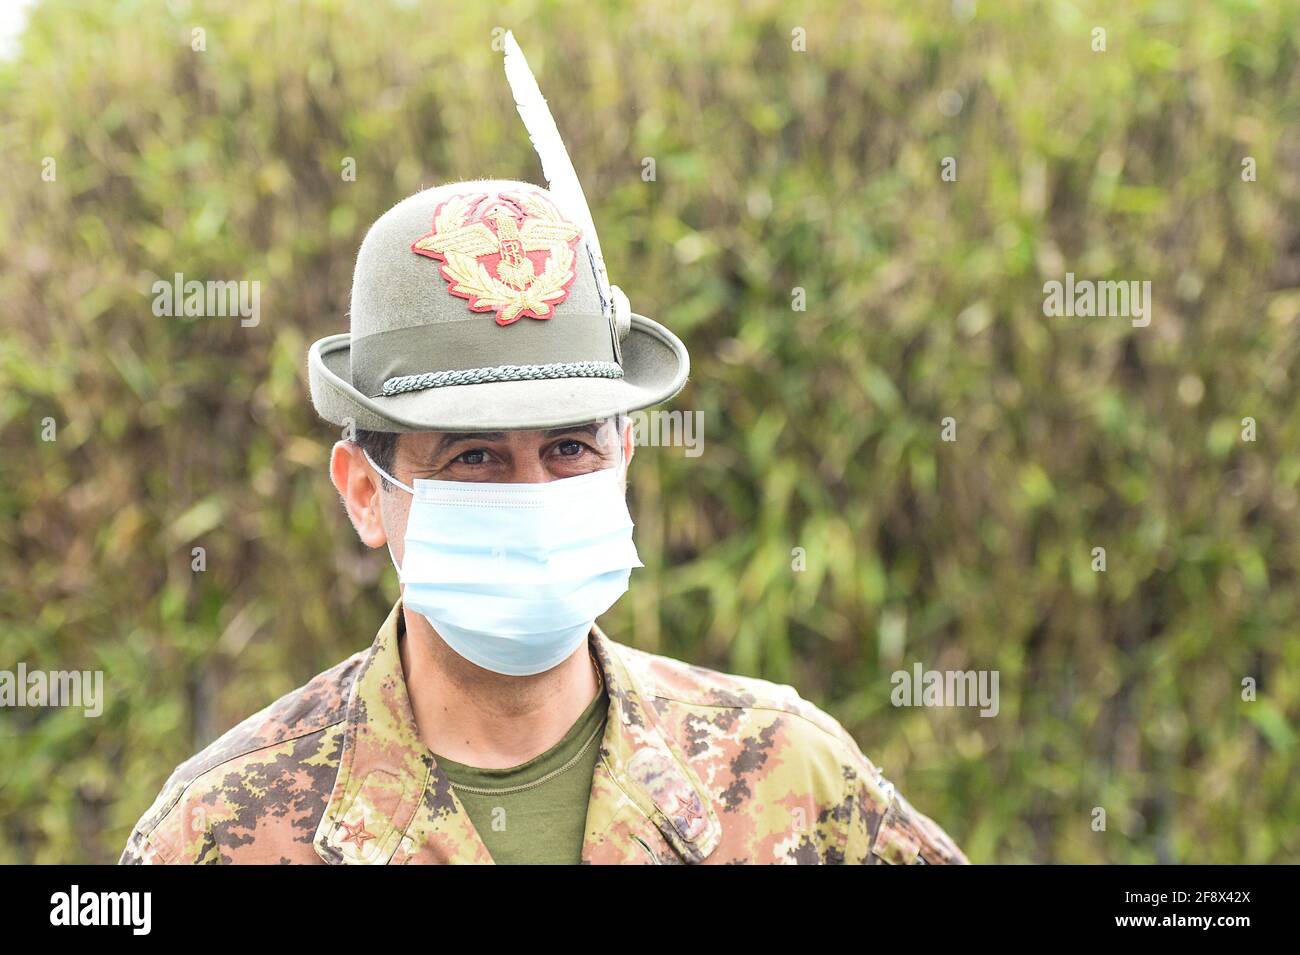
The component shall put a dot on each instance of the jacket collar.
(646, 766)
(392, 804)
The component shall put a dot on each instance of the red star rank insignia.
(512, 254)
(356, 833)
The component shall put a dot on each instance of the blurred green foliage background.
(775, 169)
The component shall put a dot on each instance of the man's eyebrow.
(455, 437)
(591, 429)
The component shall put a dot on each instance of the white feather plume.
(561, 177)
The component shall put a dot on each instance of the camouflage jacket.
(695, 766)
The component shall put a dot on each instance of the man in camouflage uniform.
(410, 752)
(695, 766)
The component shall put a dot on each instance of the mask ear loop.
(405, 487)
(408, 490)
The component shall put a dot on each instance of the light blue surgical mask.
(512, 576)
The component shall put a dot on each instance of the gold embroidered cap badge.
(509, 253)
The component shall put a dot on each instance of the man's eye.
(570, 448)
(477, 456)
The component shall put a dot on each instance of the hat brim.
(655, 367)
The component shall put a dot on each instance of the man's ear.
(360, 488)
(628, 437)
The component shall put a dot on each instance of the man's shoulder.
(249, 766)
(317, 704)
(760, 744)
(743, 704)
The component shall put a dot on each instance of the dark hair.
(382, 448)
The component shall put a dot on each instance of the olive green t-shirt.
(536, 812)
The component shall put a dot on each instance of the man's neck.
(483, 719)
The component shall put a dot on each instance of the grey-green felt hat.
(477, 306)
